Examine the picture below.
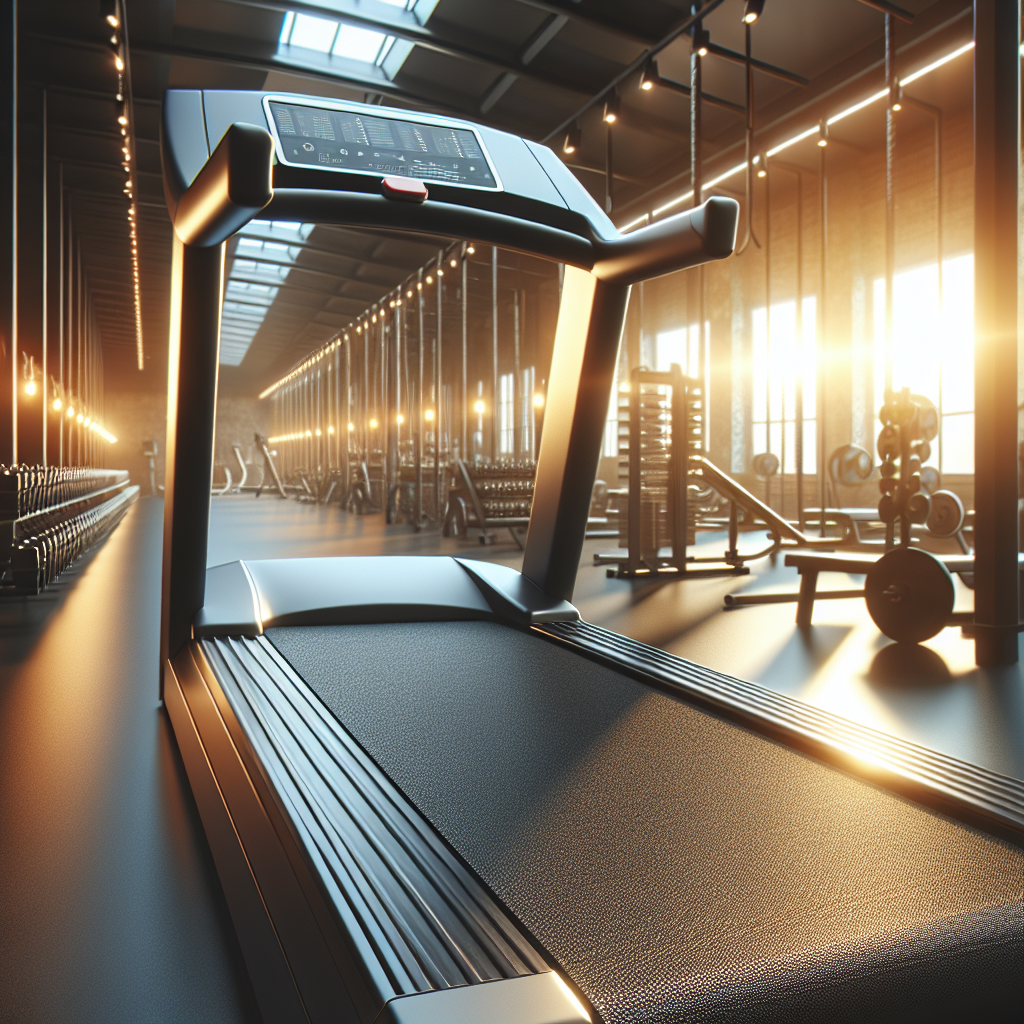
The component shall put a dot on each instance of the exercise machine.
(431, 791)
(909, 592)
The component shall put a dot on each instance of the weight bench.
(849, 520)
(809, 563)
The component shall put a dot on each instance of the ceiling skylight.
(263, 259)
(337, 38)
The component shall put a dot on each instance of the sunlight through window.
(780, 359)
(933, 352)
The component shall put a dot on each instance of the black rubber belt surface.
(677, 866)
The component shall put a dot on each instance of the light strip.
(881, 94)
(378, 311)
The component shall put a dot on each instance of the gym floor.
(111, 909)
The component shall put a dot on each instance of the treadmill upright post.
(197, 281)
(996, 225)
(590, 322)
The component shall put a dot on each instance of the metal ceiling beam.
(887, 8)
(758, 65)
(684, 26)
(626, 27)
(321, 273)
(263, 63)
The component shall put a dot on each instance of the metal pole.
(45, 383)
(608, 172)
(890, 200)
(518, 398)
(438, 338)
(418, 418)
(60, 306)
(696, 171)
(820, 359)
(768, 334)
(996, 223)
(9, 230)
(494, 346)
(464, 447)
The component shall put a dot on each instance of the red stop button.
(407, 190)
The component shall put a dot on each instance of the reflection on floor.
(931, 694)
(110, 908)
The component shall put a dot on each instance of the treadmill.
(433, 794)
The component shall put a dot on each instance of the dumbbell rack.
(658, 515)
(489, 496)
(49, 516)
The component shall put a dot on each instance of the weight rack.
(661, 461)
(489, 496)
(49, 516)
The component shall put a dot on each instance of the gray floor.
(110, 909)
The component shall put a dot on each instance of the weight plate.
(918, 507)
(889, 443)
(766, 464)
(927, 417)
(850, 465)
(931, 481)
(909, 594)
(947, 514)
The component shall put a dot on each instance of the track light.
(30, 387)
(108, 8)
(572, 140)
(762, 165)
(896, 96)
(752, 10)
(649, 79)
(701, 41)
(611, 109)
(823, 133)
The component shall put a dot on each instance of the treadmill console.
(344, 137)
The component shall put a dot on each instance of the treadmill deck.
(675, 865)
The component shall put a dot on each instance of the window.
(507, 413)
(780, 360)
(334, 38)
(933, 352)
(263, 258)
(527, 423)
(681, 346)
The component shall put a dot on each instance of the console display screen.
(348, 141)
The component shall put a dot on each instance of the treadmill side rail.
(537, 999)
(343, 896)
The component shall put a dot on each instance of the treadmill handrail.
(235, 184)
